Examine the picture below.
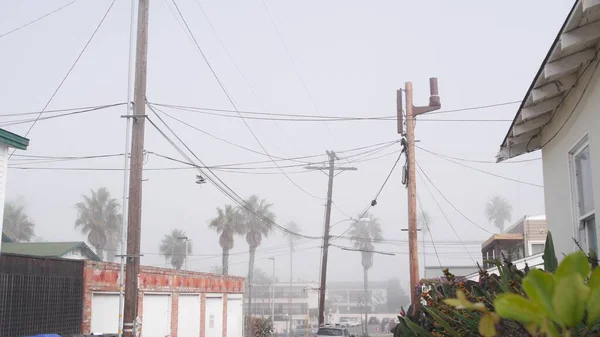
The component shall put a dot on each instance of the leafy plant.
(564, 300)
(261, 327)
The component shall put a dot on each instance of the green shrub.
(563, 300)
(261, 327)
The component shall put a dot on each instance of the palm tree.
(257, 223)
(17, 224)
(424, 222)
(364, 235)
(227, 223)
(292, 227)
(216, 270)
(99, 217)
(498, 211)
(174, 248)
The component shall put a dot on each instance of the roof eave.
(558, 73)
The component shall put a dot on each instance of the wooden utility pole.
(411, 112)
(131, 329)
(331, 168)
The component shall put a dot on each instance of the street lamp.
(273, 293)
(187, 249)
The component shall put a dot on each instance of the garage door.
(156, 320)
(105, 313)
(214, 317)
(188, 319)
(235, 319)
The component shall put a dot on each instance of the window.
(537, 248)
(581, 170)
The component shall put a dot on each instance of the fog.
(340, 58)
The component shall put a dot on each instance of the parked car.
(345, 323)
(355, 321)
(333, 331)
(373, 320)
(384, 323)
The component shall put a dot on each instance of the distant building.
(63, 250)
(304, 296)
(7, 140)
(349, 297)
(524, 238)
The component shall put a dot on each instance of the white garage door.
(214, 317)
(235, 320)
(156, 320)
(188, 319)
(105, 313)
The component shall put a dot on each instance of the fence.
(39, 295)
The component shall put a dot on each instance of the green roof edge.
(13, 140)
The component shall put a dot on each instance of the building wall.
(103, 277)
(557, 182)
(3, 169)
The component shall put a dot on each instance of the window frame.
(578, 218)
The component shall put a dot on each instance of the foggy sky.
(352, 55)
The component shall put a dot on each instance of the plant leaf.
(550, 329)
(569, 299)
(550, 261)
(487, 325)
(595, 279)
(416, 328)
(441, 321)
(539, 287)
(573, 263)
(593, 306)
(518, 308)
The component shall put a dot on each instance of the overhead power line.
(428, 231)
(269, 116)
(446, 217)
(479, 161)
(37, 19)
(67, 114)
(482, 171)
(70, 70)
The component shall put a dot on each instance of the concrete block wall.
(104, 277)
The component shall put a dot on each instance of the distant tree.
(498, 211)
(364, 235)
(99, 217)
(396, 296)
(424, 221)
(17, 225)
(228, 223)
(216, 270)
(257, 224)
(174, 249)
(262, 277)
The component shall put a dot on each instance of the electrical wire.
(484, 172)
(70, 69)
(478, 161)
(235, 106)
(37, 119)
(304, 85)
(220, 184)
(446, 217)
(309, 117)
(16, 114)
(420, 170)
(242, 75)
(429, 230)
(305, 118)
(37, 19)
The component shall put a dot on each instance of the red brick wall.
(202, 318)
(104, 277)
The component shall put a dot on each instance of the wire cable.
(70, 70)
(447, 219)
(37, 119)
(428, 231)
(420, 170)
(37, 19)
(479, 161)
(482, 171)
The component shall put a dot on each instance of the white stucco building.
(560, 115)
(8, 140)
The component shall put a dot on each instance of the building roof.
(6, 238)
(47, 249)
(571, 54)
(13, 140)
(502, 237)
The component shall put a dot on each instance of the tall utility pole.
(331, 168)
(411, 113)
(134, 215)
